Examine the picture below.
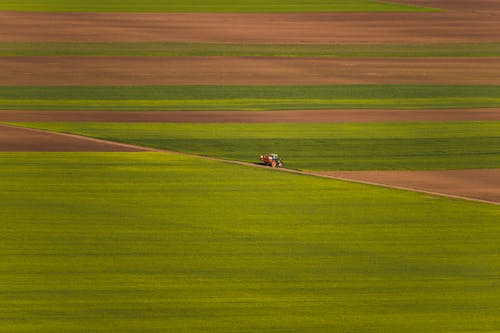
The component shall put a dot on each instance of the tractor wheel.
(280, 165)
(273, 164)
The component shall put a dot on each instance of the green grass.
(145, 242)
(267, 50)
(356, 146)
(199, 97)
(216, 6)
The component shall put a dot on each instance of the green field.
(266, 50)
(149, 242)
(356, 146)
(216, 6)
(206, 97)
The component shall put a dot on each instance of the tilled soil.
(482, 184)
(471, 26)
(15, 139)
(245, 70)
(297, 116)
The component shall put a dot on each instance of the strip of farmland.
(284, 116)
(300, 28)
(483, 184)
(16, 139)
(217, 98)
(247, 50)
(214, 6)
(245, 70)
(326, 146)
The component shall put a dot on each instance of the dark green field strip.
(145, 242)
(213, 6)
(248, 97)
(355, 146)
(207, 49)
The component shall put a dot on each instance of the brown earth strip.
(16, 139)
(291, 116)
(483, 184)
(466, 26)
(245, 70)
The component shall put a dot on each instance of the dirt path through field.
(292, 116)
(245, 70)
(16, 139)
(483, 184)
(314, 28)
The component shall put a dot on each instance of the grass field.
(248, 97)
(135, 242)
(357, 146)
(267, 50)
(222, 6)
(161, 242)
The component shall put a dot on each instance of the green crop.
(209, 97)
(216, 6)
(265, 50)
(356, 146)
(151, 242)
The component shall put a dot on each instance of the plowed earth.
(245, 70)
(473, 26)
(477, 184)
(298, 116)
(28, 140)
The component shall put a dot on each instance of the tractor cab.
(272, 160)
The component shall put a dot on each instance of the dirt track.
(27, 140)
(299, 116)
(322, 28)
(478, 184)
(245, 70)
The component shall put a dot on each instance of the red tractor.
(272, 160)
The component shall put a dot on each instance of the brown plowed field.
(319, 28)
(476, 184)
(245, 70)
(298, 116)
(28, 140)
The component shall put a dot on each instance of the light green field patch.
(248, 104)
(207, 49)
(212, 6)
(154, 98)
(145, 242)
(356, 146)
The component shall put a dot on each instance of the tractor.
(272, 160)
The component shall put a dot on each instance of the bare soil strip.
(471, 25)
(293, 116)
(245, 70)
(17, 139)
(464, 182)
(478, 184)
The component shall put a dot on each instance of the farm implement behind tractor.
(272, 160)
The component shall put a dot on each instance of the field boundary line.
(293, 171)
